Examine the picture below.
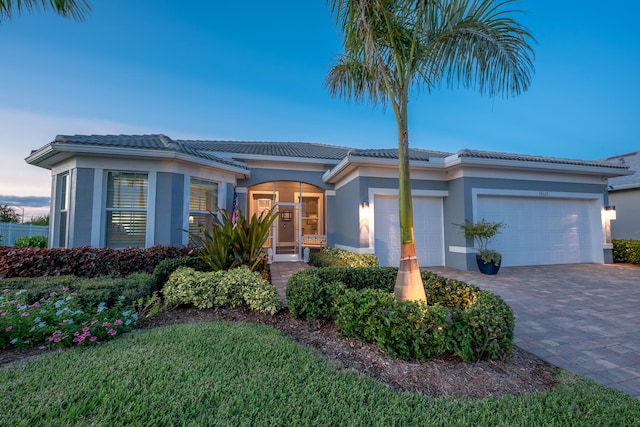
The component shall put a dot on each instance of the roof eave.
(534, 165)
(347, 164)
(39, 157)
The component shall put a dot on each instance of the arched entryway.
(301, 220)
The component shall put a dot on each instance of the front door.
(286, 232)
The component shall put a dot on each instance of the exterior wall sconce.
(364, 204)
(611, 212)
(190, 219)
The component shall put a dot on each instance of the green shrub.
(31, 242)
(167, 266)
(311, 292)
(460, 319)
(484, 329)
(626, 251)
(90, 291)
(344, 258)
(405, 329)
(221, 289)
(321, 259)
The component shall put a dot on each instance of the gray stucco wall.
(347, 216)
(80, 220)
(627, 222)
(169, 209)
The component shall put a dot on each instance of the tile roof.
(150, 142)
(631, 160)
(278, 149)
(392, 153)
(541, 159)
(223, 151)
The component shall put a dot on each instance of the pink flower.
(3, 313)
(8, 328)
(105, 324)
(118, 322)
(25, 314)
(93, 338)
(85, 329)
(112, 332)
(6, 290)
(52, 294)
(65, 289)
(94, 321)
(35, 304)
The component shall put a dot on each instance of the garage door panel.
(428, 230)
(542, 231)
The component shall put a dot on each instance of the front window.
(202, 201)
(126, 210)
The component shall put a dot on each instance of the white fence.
(11, 231)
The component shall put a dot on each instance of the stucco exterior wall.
(169, 217)
(627, 222)
(81, 207)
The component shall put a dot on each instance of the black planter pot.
(487, 267)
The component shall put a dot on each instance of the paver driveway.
(584, 318)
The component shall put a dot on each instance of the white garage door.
(427, 223)
(544, 231)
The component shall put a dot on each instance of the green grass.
(246, 374)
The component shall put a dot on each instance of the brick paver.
(584, 318)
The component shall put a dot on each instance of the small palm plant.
(482, 232)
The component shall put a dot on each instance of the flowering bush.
(58, 320)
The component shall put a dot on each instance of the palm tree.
(394, 46)
(75, 9)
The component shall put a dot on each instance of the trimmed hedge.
(84, 261)
(167, 266)
(221, 288)
(460, 319)
(91, 291)
(626, 251)
(332, 257)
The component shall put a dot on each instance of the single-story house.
(624, 194)
(130, 190)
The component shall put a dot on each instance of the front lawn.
(224, 373)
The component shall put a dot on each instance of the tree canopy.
(394, 46)
(9, 214)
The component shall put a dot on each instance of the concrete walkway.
(280, 273)
(584, 318)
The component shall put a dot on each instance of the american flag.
(234, 208)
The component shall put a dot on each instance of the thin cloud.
(25, 201)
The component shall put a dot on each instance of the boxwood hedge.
(460, 319)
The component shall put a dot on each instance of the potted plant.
(482, 232)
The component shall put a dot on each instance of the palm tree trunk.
(409, 283)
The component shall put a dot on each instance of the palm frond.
(76, 9)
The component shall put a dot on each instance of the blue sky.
(255, 70)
